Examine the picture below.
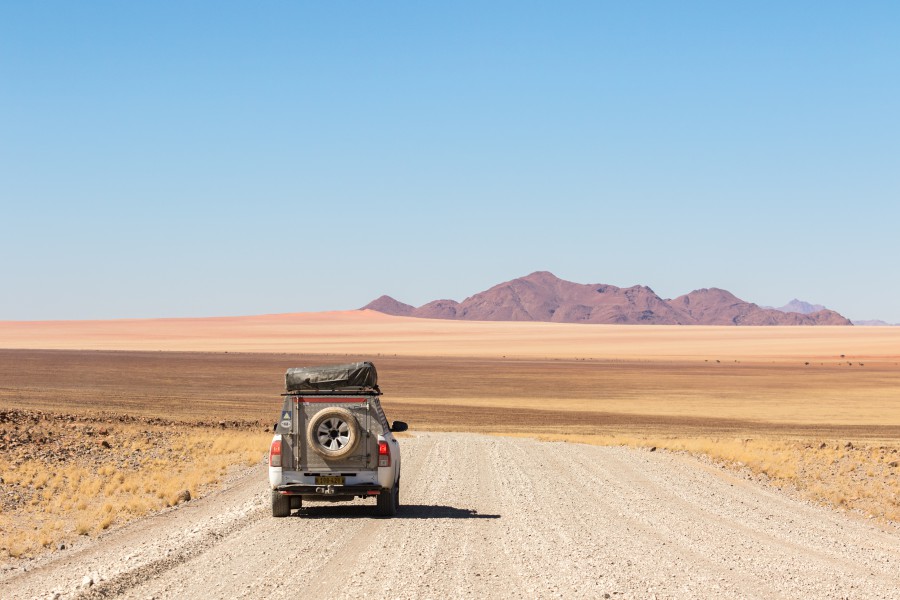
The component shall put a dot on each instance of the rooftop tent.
(351, 376)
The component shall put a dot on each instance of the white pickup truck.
(332, 441)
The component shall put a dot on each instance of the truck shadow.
(407, 511)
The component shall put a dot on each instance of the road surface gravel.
(492, 517)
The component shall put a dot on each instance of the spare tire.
(333, 433)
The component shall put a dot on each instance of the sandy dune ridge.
(372, 333)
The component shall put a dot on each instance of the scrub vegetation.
(65, 476)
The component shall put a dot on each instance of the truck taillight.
(384, 454)
(275, 454)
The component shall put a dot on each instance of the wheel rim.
(333, 434)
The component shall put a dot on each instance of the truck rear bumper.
(305, 489)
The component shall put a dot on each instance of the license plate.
(329, 481)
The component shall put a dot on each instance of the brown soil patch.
(476, 394)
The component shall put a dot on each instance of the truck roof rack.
(345, 391)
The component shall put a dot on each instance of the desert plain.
(813, 410)
(839, 380)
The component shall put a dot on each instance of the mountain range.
(542, 296)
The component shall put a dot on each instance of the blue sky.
(224, 158)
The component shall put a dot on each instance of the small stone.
(894, 463)
(87, 581)
(183, 496)
(61, 546)
(105, 444)
(822, 446)
(653, 449)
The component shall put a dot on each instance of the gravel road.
(492, 517)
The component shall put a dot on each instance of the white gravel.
(492, 517)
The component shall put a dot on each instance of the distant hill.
(542, 296)
(389, 306)
(805, 308)
(874, 323)
(799, 306)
